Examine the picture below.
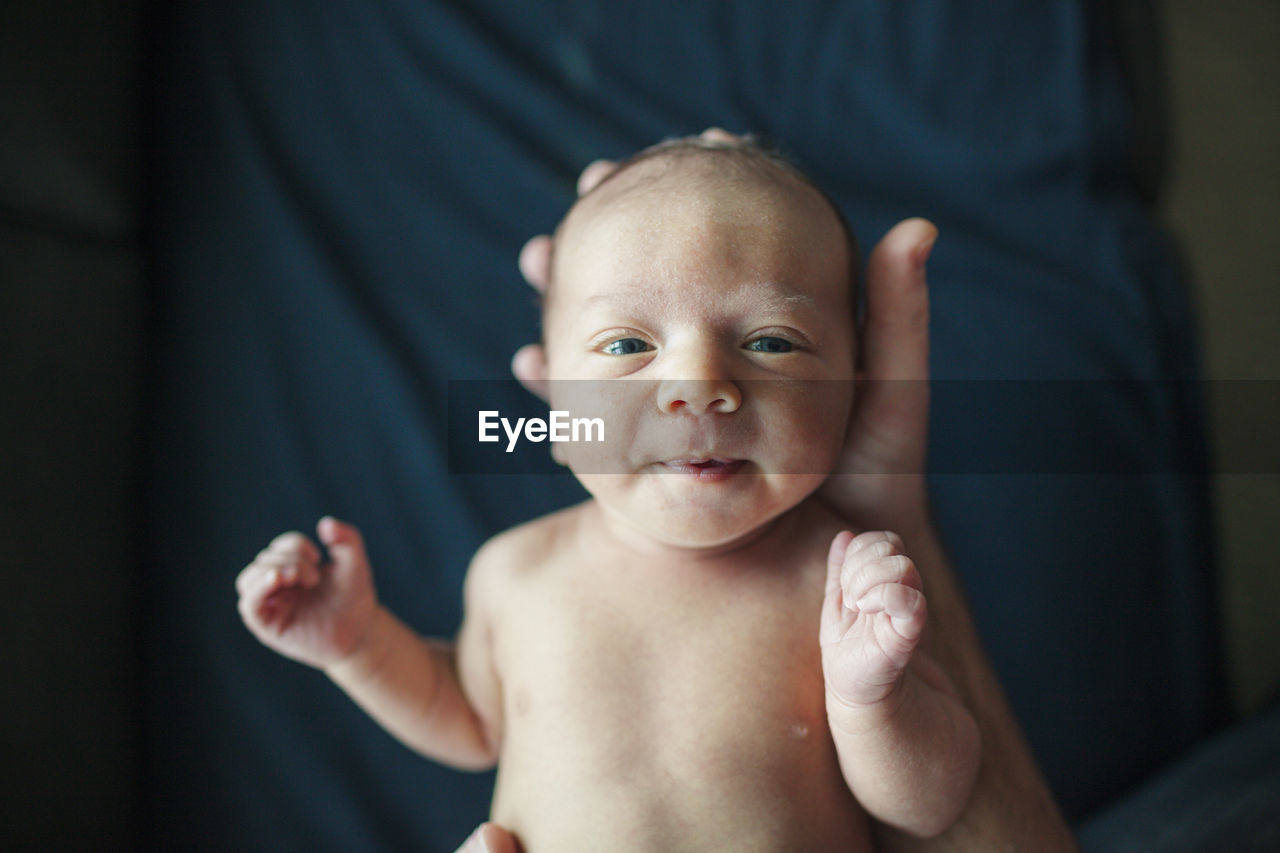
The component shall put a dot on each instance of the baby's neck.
(608, 530)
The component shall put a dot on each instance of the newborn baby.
(700, 656)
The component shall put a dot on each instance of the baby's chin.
(705, 521)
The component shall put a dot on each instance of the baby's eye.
(625, 346)
(770, 344)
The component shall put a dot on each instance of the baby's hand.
(316, 614)
(872, 618)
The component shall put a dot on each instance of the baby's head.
(739, 184)
(719, 273)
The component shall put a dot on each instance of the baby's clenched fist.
(873, 616)
(313, 612)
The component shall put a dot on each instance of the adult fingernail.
(478, 842)
(921, 254)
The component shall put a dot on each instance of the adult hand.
(879, 481)
(490, 838)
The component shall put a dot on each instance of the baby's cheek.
(606, 418)
(809, 427)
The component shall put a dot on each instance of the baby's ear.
(530, 367)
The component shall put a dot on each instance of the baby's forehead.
(692, 175)
(682, 206)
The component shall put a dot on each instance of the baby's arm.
(908, 747)
(328, 616)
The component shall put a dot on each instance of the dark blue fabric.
(1222, 796)
(338, 193)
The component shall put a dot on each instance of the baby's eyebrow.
(791, 298)
(776, 297)
(779, 297)
(619, 298)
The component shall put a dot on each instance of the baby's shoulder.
(519, 553)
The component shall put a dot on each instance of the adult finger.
(719, 134)
(535, 255)
(891, 412)
(529, 366)
(595, 172)
(489, 838)
(535, 262)
(895, 334)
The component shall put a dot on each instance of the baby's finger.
(905, 605)
(256, 588)
(860, 575)
(833, 600)
(836, 555)
(245, 579)
(294, 545)
(261, 584)
(267, 580)
(308, 575)
(876, 537)
(866, 548)
(290, 566)
(277, 601)
(268, 559)
(250, 580)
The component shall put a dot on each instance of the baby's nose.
(699, 396)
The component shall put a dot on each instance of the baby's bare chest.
(716, 676)
(663, 704)
(705, 647)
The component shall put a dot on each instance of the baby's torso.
(649, 705)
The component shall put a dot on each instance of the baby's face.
(712, 320)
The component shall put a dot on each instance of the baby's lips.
(699, 459)
(705, 465)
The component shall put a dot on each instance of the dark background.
(71, 366)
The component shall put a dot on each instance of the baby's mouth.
(705, 469)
